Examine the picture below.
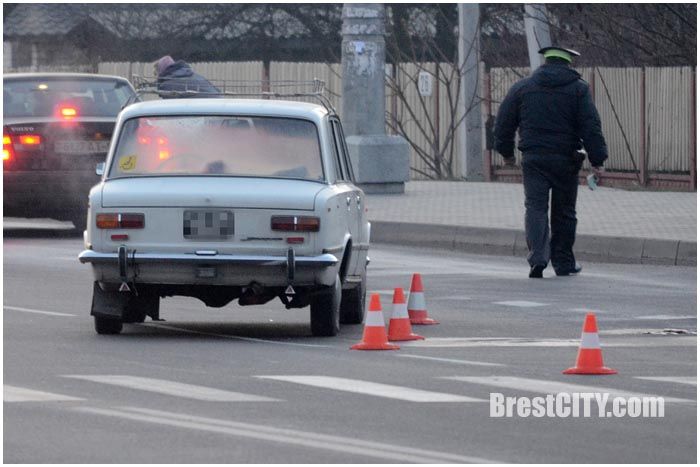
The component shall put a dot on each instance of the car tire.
(105, 325)
(325, 310)
(352, 305)
(140, 306)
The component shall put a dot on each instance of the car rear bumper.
(218, 269)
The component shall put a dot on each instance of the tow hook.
(291, 264)
(123, 269)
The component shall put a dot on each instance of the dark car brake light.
(296, 223)
(120, 221)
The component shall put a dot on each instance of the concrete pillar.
(380, 162)
(536, 32)
(471, 165)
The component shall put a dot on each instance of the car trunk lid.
(229, 192)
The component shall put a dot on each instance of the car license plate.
(81, 147)
(207, 224)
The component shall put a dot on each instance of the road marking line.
(666, 317)
(450, 360)
(457, 342)
(227, 336)
(345, 445)
(172, 388)
(373, 389)
(17, 394)
(550, 387)
(521, 303)
(691, 380)
(31, 310)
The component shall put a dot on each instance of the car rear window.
(36, 97)
(218, 145)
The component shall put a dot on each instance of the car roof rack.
(315, 89)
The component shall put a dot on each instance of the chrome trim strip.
(89, 256)
(334, 249)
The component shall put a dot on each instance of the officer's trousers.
(558, 173)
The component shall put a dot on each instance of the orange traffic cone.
(590, 357)
(417, 311)
(374, 336)
(400, 323)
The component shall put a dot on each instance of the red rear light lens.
(120, 221)
(296, 223)
(29, 140)
(131, 221)
(7, 151)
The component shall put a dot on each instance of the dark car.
(56, 127)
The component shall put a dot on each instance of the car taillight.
(296, 223)
(30, 140)
(7, 151)
(120, 221)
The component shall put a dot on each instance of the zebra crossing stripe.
(373, 389)
(172, 388)
(17, 394)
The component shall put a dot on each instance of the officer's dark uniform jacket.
(180, 77)
(554, 111)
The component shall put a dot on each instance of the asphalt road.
(261, 389)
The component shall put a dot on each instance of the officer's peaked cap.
(559, 52)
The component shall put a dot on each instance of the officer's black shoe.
(565, 272)
(536, 271)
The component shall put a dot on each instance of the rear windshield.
(35, 97)
(218, 145)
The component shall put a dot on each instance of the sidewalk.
(613, 225)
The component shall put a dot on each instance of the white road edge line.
(17, 394)
(691, 380)
(287, 436)
(551, 387)
(372, 389)
(172, 388)
(227, 336)
(451, 360)
(31, 310)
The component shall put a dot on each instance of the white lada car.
(225, 199)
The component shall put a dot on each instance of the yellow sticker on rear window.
(127, 163)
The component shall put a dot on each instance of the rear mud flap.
(108, 304)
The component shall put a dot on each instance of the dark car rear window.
(36, 97)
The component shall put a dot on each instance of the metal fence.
(648, 114)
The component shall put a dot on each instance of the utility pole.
(536, 31)
(381, 162)
(470, 161)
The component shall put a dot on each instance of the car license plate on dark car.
(207, 224)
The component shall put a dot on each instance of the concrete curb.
(596, 248)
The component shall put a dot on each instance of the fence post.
(693, 141)
(643, 131)
(486, 120)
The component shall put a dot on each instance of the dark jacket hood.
(553, 76)
(179, 69)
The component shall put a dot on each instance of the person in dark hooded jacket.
(178, 76)
(555, 116)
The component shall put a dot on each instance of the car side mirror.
(100, 168)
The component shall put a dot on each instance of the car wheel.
(352, 306)
(325, 310)
(107, 325)
(140, 306)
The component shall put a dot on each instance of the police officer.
(555, 114)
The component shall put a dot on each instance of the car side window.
(344, 151)
(341, 151)
(336, 157)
